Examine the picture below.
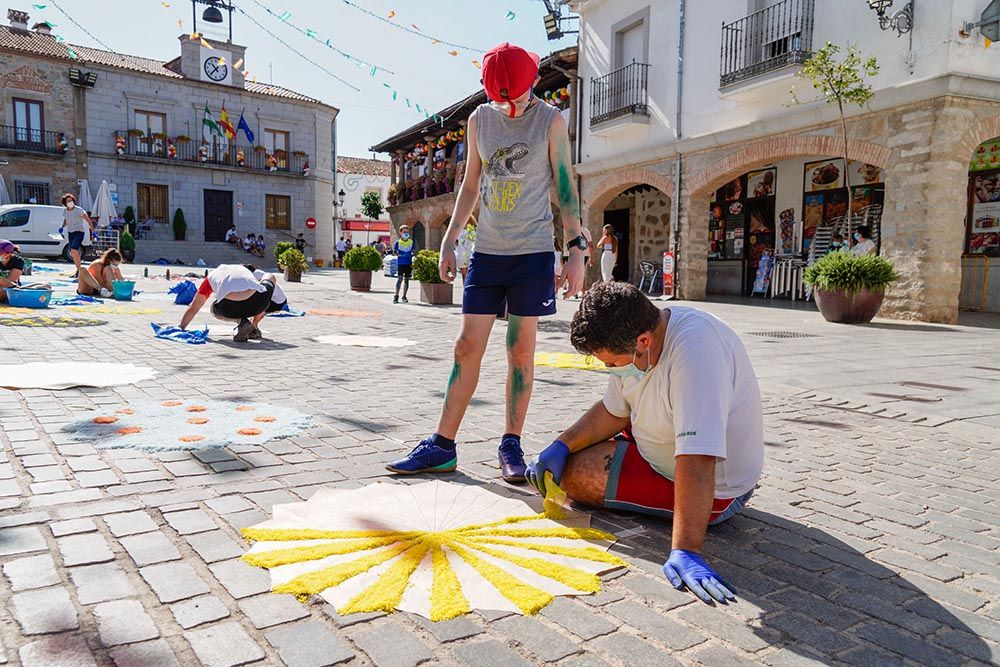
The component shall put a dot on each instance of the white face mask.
(633, 371)
(70, 205)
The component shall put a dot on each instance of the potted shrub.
(126, 245)
(180, 226)
(182, 139)
(129, 218)
(433, 290)
(135, 133)
(279, 249)
(361, 261)
(848, 288)
(294, 263)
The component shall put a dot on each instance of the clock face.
(216, 69)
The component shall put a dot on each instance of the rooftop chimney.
(42, 28)
(18, 19)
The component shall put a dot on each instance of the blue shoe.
(425, 457)
(512, 467)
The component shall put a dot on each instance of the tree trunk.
(847, 169)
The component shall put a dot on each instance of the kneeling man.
(685, 400)
(240, 295)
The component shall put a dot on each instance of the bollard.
(145, 272)
(168, 274)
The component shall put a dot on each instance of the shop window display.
(983, 216)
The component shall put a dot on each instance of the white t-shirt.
(341, 246)
(279, 295)
(700, 398)
(230, 235)
(229, 278)
(73, 219)
(864, 247)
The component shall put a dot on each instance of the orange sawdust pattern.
(249, 431)
(105, 419)
(198, 420)
(128, 430)
(245, 408)
(344, 313)
(191, 438)
(125, 411)
(171, 404)
(197, 408)
(263, 418)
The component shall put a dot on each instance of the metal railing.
(766, 40)
(619, 93)
(34, 141)
(215, 153)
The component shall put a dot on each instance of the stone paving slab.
(873, 538)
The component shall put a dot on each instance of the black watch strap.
(579, 242)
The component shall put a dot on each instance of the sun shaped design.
(437, 549)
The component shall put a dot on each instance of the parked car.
(35, 228)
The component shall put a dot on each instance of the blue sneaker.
(425, 457)
(512, 467)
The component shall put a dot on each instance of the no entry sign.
(311, 223)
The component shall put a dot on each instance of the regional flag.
(227, 127)
(209, 126)
(243, 125)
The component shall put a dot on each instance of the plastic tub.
(122, 289)
(29, 298)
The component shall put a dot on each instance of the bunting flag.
(227, 128)
(989, 42)
(243, 125)
(209, 126)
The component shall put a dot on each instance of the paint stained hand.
(572, 276)
(447, 265)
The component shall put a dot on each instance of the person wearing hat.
(518, 150)
(11, 268)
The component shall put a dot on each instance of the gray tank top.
(515, 211)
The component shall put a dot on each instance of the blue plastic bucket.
(29, 298)
(123, 289)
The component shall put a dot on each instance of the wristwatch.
(579, 242)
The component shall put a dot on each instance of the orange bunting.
(392, 13)
(105, 420)
(435, 41)
(414, 26)
(477, 64)
(238, 64)
(194, 36)
(453, 53)
(128, 430)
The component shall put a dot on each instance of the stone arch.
(436, 230)
(610, 187)
(419, 232)
(739, 162)
(983, 130)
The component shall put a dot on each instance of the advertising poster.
(812, 217)
(865, 174)
(761, 183)
(987, 156)
(824, 175)
(786, 232)
(986, 188)
(986, 218)
(731, 191)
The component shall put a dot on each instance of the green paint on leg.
(513, 330)
(456, 375)
(517, 388)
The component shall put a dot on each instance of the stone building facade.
(140, 128)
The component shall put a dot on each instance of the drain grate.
(782, 334)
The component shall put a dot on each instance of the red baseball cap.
(508, 72)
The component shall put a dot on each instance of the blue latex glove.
(553, 460)
(686, 568)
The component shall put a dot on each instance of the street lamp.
(901, 21)
(338, 205)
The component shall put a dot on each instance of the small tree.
(180, 225)
(371, 206)
(129, 217)
(841, 82)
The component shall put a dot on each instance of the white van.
(29, 226)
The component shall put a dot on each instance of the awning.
(364, 226)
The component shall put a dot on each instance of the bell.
(212, 15)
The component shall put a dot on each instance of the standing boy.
(518, 148)
(403, 249)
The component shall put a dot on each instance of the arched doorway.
(637, 203)
(980, 286)
(419, 236)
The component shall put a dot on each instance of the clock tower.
(209, 59)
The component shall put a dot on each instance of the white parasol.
(104, 208)
(4, 195)
(85, 201)
(436, 549)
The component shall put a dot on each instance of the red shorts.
(635, 486)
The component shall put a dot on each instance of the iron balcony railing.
(33, 141)
(619, 93)
(172, 149)
(766, 40)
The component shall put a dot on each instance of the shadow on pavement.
(254, 346)
(816, 595)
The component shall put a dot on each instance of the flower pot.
(849, 307)
(293, 276)
(128, 255)
(437, 294)
(361, 281)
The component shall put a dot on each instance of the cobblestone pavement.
(874, 537)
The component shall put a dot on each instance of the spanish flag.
(225, 125)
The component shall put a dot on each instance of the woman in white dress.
(609, 253)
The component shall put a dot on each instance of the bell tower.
(206, 57)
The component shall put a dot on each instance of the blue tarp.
(169, 332)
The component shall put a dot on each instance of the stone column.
(692, 249)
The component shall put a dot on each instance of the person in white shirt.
(238, 296)
(684, 396)
(863, 244)
(232, 236)
(341, 248)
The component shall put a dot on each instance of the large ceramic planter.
(849, 307)
(293, 276)
(128, 255)
(361, 281)
(438, 294)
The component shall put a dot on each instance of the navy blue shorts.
(525, 282)
(75, 240)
